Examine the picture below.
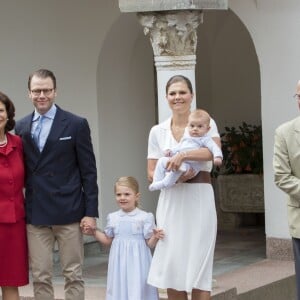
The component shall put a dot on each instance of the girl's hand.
(158, 233)
(87, 229)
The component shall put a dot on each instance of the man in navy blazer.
(61, 187)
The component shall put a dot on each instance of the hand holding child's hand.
(88, 230)
(88, 225)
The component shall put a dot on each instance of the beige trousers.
(41, 240)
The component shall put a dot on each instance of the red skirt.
(13, 254)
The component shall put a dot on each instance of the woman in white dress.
(183, 260)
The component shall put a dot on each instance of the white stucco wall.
(228, 77)
(67, 37)
(103, 64)
(274, 26)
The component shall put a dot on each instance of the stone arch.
(126, 90)
(126, 107)
(226, 53)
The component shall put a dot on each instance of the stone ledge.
(264, 280)
(267, 280)
(27, 298)
(150, 5)
(217, 294)
(281, 249)
(241, 193)
(224, 294)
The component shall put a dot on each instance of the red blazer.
(12, 181)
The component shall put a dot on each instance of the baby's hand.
(158, 233)
(218, 161)
(168, 153)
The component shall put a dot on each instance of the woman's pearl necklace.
(4, 143)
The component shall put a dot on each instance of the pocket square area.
(65, 138)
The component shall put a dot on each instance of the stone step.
(264, 280)
(221, 294)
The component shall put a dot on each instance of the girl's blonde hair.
(129, 182)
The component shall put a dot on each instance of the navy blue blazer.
(61, 181)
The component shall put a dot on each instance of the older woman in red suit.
(13, 243)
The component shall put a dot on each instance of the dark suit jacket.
(61, 181)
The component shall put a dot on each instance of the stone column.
(171, 26)
(174, 40)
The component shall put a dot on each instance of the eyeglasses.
(297, 96)
(46, 92)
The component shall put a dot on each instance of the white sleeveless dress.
(183, 260)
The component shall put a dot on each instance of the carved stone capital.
(172, 33)
(164, 5)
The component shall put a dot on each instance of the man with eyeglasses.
(61, 187)
(286, 164)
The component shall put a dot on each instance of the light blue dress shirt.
(46, 126)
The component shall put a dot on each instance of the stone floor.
(238, 248)
(234, 250)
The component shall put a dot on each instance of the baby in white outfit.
(198, 126)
